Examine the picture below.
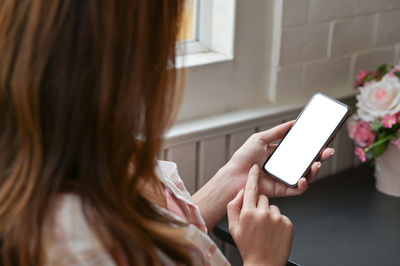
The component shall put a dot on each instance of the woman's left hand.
(256, 150)
(213, 197)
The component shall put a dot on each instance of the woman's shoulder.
(68, 238)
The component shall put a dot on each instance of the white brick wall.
(351, 35)
(397, 54)
(297, 47)
(388, 28)
(325, 42)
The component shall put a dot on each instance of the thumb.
(234, 208)
(276, 133)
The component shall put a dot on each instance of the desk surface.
(341, 220)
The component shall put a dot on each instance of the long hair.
(81, 82)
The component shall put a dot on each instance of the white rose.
(377, 99)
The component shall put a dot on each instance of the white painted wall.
(321, 43)
(325, 42)
(227, 86)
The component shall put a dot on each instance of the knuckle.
(275, 218)
(287, 221)
(257, 138)
(273, 206)
(274, 209)
(240, 232)
(264, 215)
(251, 188)
(254, 136)
(263, 197)
(247, 214)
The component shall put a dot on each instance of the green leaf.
(381, 148)
(397, 74)
(376, 126)
(382, 68)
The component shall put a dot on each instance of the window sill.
(203, 58)
(241, 119)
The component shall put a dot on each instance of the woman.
(87, 91)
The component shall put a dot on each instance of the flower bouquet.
(375, 127)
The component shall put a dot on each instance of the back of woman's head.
(80, 80)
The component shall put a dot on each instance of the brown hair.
(79, 81)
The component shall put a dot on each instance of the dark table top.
(341, 220)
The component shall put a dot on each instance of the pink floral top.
(71, 242)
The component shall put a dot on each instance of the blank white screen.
(305, 139)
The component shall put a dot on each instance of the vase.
(387, 171)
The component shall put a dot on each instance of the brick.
(390, 4)
(294, 12)
(289, 83)
(329, 73)
(388, 28)
(302, 44)
(373, 6)
(371, 59)
(326, 10)
(351, 35)
(370, 6)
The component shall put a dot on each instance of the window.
(188, 32)
(207, 32)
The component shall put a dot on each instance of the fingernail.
(319, 164)
(333, 151)
(254, 167)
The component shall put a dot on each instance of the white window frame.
(214, 34)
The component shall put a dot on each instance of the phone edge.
(345, 117)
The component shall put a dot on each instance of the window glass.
(189, 19)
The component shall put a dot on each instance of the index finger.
(276, 133)
(251, 189)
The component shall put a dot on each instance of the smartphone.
(310, 134)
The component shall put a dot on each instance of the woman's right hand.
(262, 234)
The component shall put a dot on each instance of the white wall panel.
(184, 155)
(238, 138)
(212, 157)
(344, 152)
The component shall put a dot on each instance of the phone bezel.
(339, 125)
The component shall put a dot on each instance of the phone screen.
(307, 137)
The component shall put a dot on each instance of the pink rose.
(361, 154)
(360, 78)
(351, 127)
(361, 133)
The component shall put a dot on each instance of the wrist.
(229, 178)
(234, 176)
(215, 195)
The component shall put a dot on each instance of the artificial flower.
(360, 78)
(361, 132)
(379, 98)
(389, 120)
(377, 120)
(361, 154)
